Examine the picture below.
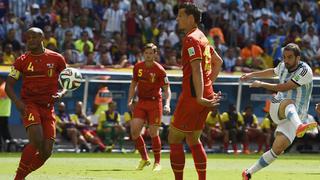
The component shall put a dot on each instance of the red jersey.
(39, 75)
(196, 46)
(150, 80)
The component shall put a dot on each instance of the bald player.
(39, 69)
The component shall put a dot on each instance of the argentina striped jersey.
(302, 76)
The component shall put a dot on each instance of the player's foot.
(245, 175)
(246, 151)
(303, 128)
(156, 167)
(143, 163)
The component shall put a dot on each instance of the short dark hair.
(192, 9)
(150, 46)
(294, 48)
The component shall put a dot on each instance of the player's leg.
(155, 115)
(287, 110)
(156, 146)
(177, 157)
(136, 127)
(35, 137)
(32, 123)
(48, 136)
(280, 143)
(198, 153)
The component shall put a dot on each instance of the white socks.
(292, 115)
(266, 159)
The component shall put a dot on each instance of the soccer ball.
(70, 79)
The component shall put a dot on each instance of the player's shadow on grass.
(99, 170)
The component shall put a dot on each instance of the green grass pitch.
(121, 167)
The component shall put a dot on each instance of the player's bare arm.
(59, 95)
(197, 79)
(167, 96)
(12, 95)
(274, 87)
(132, 90)
(216, 63)
(259, 74)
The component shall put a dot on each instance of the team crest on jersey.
(50, 65)
(153, 77)
(296, 77)
(191, 51)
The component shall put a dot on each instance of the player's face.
(149, 55)
(290, 60)
(182, 19)
(34, 40)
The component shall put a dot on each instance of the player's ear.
(298, 58)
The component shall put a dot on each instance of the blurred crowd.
(248, 34)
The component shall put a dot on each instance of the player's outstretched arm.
(259, 74)
(12, 95)
(275, 87)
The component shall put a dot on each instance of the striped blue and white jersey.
(302, 76)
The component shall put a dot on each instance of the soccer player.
(149, 77)
(201, 65)
(289, 107)
(39, 69)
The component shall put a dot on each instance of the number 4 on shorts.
(31, 117)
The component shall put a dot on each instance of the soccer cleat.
(156, 167)
(143, 163)
(303, 128)
(245, 175)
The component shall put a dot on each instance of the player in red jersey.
(201, 65)
(39, 69)
(149, 77)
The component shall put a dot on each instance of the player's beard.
(291, 67)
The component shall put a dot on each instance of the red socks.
(156, 148)
(200, 160)
(26, 158)
(141, 147)
(177, 160)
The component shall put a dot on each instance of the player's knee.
(135, 135)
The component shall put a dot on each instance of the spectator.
(5, 111)
(233, 123)
(114, 20)
(86, 128)
(61, 30)
(71, 56)
(43, 18)
(250, 54)
(248, 29)
(80, 43)
(312, 38)
(10, 39)
(109, 126)
(230, 60)
(214, 129)
(252, 133)
(68, 129)
(8, 56)
(48, 37)
(82, 27)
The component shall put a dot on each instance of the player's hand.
(318, 108)
(130, 106)
(246, 77)
(256, 84)
(166, 110)
(59, 95)
(209, 102)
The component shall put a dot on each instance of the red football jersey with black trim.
(39, 74)
(196, 46)
(150, 80)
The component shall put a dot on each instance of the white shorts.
(288, 129)
(274, 110)
(284, 125)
